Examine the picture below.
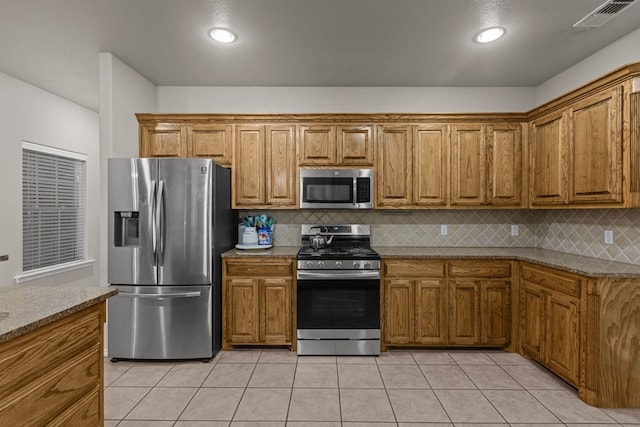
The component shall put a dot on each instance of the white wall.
(31, 114)
(623, 51)
(123, 92)
(225, 99)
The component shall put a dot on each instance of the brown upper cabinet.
(264, 170)
(576, 152)
(163, 140)
(335, 145)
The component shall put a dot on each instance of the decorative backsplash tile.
(579, 232)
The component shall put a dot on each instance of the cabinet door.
(163, 140)
(317, 145)
(561, 342)
(464, 316)
(394, 166)
(241, 303)
(248, 166)
(430, 305)
(211, 142)
(275, 315)
(505, 164)
(595, 148)
(281, 166)
(549, 160)
(468, 165)
(532, 322)
(355, 145)
(430, 148)
(399, 311)
(495, 309)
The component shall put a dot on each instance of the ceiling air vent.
(603, 13)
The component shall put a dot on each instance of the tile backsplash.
(573, 231)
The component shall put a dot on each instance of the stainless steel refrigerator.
(169, 221)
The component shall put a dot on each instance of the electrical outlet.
(4, 257)
(514, 229)
(608, 237)
(443, 230)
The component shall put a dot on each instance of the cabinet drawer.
(479, 268)
(552, 279)
(417, 268)
(259, 267)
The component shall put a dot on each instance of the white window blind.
(53, 206)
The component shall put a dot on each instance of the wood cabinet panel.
(596, 148)
(242, 310)
(281, 166)
(163, 140)
(430, 316)
(317, 145)
(249, 166)
(504, 152)
(394, 166)
(354, 145)
(430, 164)
(552, 279)
(464, 318)
(468, 165)
(399, 311)
(495, 312)
(413, 268)
(561, 329)
(549, 154)
(211, 141)
(275, 311)
(532, 329)
(480, 268)
(266, 267)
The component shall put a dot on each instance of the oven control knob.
(367, 265)
(338, 264)
(309, 264)
(356, 264)
(320, 264)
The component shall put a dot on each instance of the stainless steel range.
(338, 291)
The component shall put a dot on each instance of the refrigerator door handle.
(193, 294)
(154, 231)
(161, 222)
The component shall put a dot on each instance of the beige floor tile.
(396, 357)
(118, 401)
(596, 425)
(365, 405)
(314, 424)
(506, 358)
(201, 424)
(263, 404)
(316, 376)
(466, 357)
(539, 425)
(432, 357)
(569, 408)
(481, 424)
(446, 377)
(143, 375)
(312, 404)
(533, 376)
(213, 404)
(113, 371)
(278, 355)
(416, 406)
(359, 376)
(325, 360)
(403, 376)
(240, 356)
(630, 416)
(466, 406)
(111, 423)
(368, 424)
(356, 360)
(258, 424)
(162, 404)
(145, 423)
(487, 377)
(425, 425)
(186, 375)
(273, 375)
(518, 406)
(229, 375)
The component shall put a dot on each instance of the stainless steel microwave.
(336, 188)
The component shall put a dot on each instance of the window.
(53, 208)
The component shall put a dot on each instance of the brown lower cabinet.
(257, 301)
(437, 303)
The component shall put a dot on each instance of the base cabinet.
(257, 300)
(436, 303)
(550, 322)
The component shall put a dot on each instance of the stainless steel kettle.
(318, 241)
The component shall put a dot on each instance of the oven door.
(338, 312)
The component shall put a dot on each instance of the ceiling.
(54, 44)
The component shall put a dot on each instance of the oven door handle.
(338, 275)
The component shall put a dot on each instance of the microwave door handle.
(355, 190)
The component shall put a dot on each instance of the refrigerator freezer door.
(184, 201)
(168, 322)
(132, 188)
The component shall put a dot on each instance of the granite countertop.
(281, 251)
(586, 266)
(26, 308)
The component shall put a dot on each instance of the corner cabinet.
(257, 301)
(455, 303)
(264, 167)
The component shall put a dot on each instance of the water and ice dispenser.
(126, 228)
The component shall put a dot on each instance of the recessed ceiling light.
(222, 35)
(489, 35)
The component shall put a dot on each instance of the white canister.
(250, 236)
